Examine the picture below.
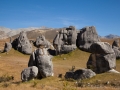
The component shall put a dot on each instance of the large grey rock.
(7, 47)
(117, 52)
(101, 48)
(83, 74)
(43, 61)
(101, 63)
(68, 48)
(116, 48)
(22, 44)
(41, 41)
(29, 73)
(115, 43)
(86, 37)
(80, 74)
(66, 36)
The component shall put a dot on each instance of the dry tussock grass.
(14, 62)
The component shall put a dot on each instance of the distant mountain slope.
(111, 36)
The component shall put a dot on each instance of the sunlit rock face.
(86, 37)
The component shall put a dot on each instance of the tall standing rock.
(7, 47)
(116, 48)
(43, 60)
(22, 44)
(41, 40)
(86, 37)
(102, 58)
(65, 40)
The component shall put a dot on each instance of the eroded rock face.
(7, 47)
(115, 43)
(43, 61)
(41, 41)
(29, 73)
(116, 48)
(22, 44)
(101, 48)
(86, 37)
(102, 58)
(67, 36)
(80, 74)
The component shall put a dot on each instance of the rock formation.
(42, 41)
(43, 61)
(80, 74)
(7, 47)
(22, 44)
(29, 73)
(116, 48)
(102, 58)
(65, 40)
(86, 37)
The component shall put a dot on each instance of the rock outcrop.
(65, 40)
(41, 59)
(7, 47)
(86, 37)
(102, 58)
(41, 40)
(29, 73)
(22, 44)
(116, 48)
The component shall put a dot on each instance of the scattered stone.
(80, 74)
(83, 74)
(29, 73)
(113, 71)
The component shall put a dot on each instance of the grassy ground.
(14, 62)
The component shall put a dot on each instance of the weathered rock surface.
(29, 73)
(7, 47)
(41, 41)
(43, 61)
(102, 58)
(101, 63)
(67, 36)
(22, 44)
(115, 43)
(86, 37)
(80, 74)
(116, 48)
(101, 48)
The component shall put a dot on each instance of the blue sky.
(103, 14)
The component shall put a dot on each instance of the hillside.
(14, 62)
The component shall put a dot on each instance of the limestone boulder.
(101, 48)
(7, 47)
(86, 37)
(101, 63)
(116, 48)
(83, 74)
(43, 60)
(29, 73)
(22, 44)
(80, 74)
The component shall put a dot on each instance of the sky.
(103, 14)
